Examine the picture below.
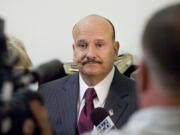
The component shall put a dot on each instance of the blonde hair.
(16, 48)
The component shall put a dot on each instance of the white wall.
(45, 25)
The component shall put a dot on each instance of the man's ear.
(73, 45)
(116, 47)
(143, 77)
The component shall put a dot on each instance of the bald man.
(98, 83)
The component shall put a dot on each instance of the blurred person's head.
(16, 49)
(159, 76)
(95, 48)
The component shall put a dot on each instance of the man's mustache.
(91, 62)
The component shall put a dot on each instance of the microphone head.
(44, 73)
(50, 71)
(1, 26)
(3, 47)
(98, 115)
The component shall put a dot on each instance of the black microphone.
(3, 50)
(101, 119)
(42, 74)
(49, 71)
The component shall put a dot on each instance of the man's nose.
(91, 52)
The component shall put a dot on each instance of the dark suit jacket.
(61, 98)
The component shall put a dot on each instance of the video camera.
(15, 94)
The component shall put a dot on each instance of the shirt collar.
(102, 88)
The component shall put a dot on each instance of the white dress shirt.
(102, 89)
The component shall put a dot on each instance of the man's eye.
(82, 46)
(99, 45)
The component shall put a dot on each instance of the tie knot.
(90, 94)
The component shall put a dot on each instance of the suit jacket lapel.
(70, 106)
(114, 102)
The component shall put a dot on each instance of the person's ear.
(143, 77)
(116, 47)
(73, 45)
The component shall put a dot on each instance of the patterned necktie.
(84, 123)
